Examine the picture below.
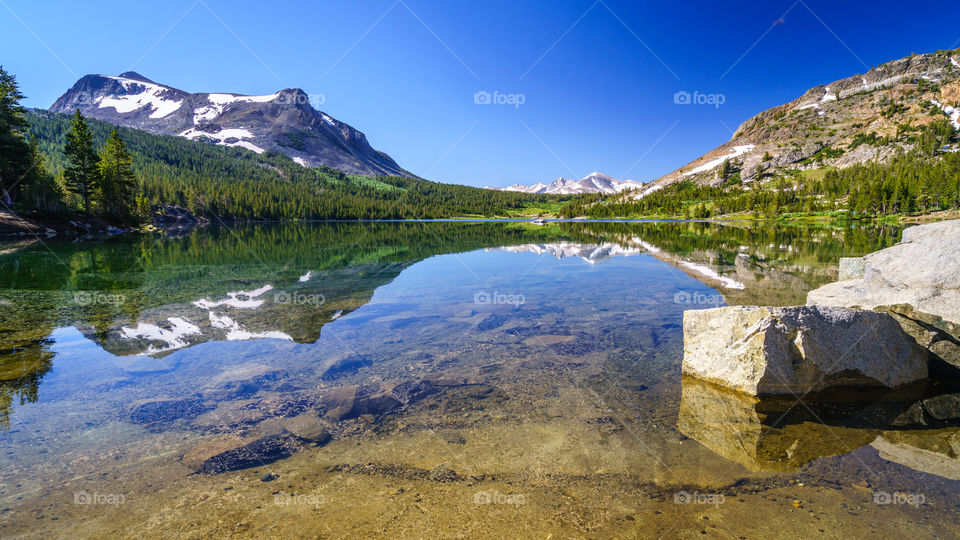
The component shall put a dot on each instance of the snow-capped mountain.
(595, 182)
(284, 121)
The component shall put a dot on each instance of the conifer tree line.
(100, 183)
(924, 179)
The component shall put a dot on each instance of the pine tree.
(39, 189)
(116, 191)
(15, 156)
(724, 170)
(82, 174)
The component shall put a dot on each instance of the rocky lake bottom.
(347, 380)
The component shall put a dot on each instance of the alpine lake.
(452, 379)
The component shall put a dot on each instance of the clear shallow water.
(475, 379)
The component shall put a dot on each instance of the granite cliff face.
(284, 121)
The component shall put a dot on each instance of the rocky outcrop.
(847, 122)
(917, 281)
(798, 350)
(923, 270)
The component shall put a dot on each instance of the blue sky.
(597, 78)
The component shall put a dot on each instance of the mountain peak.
(135, 76)
(283, 121)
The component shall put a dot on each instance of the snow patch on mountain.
(713, 164)
(245, 144)
(141, 95)
(222, 137)
(952, 112)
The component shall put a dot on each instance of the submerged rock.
(262, 451)
(797, 350)
(930, 451)
(923, 270)
(943, 407)
(166, 410)
(349, 402)
(308, 427)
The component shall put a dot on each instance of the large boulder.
(798, 350)
(923, 270)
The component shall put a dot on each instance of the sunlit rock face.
(923, 270)
(798, 350)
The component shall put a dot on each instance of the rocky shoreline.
(167, 217)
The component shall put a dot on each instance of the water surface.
(475, 379)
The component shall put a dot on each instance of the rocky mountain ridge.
(284, 121)
(853, 120)
(595, 182)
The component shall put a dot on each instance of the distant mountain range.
(284, 121)
(595, 182)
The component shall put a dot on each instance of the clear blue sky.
(598, 78)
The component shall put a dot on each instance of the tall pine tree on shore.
(15, 157)
(82, 175)
(117, 183)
